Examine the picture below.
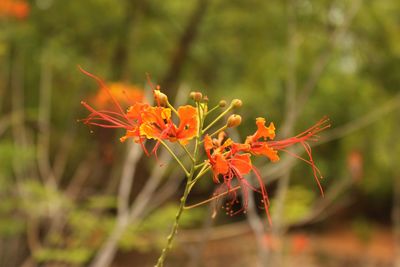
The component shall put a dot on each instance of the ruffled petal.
(242, 163)
(262, 131)
(262, 148)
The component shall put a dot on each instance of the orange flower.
(124, 93)
(14, 8)
(228, 163)
(222, 161)
(157, 124)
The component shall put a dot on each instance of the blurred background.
(72, 195)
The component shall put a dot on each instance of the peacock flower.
(157, 124)
(227, 163)
(223, 161)
(269, 148)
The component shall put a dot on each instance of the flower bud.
(196, 96)
(222, 103)
(236, 103)
(161, 98)
(234, 120)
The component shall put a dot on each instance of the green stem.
(188, 187)
(218, 131)
(172, 108)
(212, 198)
(187, 152)
(200, 165)
(203, 171)
(218, 118)
(211, 110)
(175, 157)
(174, 230)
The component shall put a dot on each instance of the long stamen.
(103, 116)
(264, 194)
(307, 148)
(102, 85)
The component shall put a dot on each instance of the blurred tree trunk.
(121, 67)
(170, 81)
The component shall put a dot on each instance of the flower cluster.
(143, 121)
(229, 161)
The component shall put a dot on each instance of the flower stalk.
(188, 187)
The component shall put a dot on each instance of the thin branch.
(128, 172)
(43, 143)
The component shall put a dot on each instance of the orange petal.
(221, 165)
(263, 131)
(154, 122)
(242, 163)
(156, 115)
(136, 110)
(208, 144)
(149, 131)
(134, 133)
(188, 125)
(236, 147)
(264, 149)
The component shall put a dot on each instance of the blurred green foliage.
(298, 204)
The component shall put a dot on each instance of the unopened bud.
(234, 120)
(161, 98)
(196, 96)
(222, 103)
(236, 103)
